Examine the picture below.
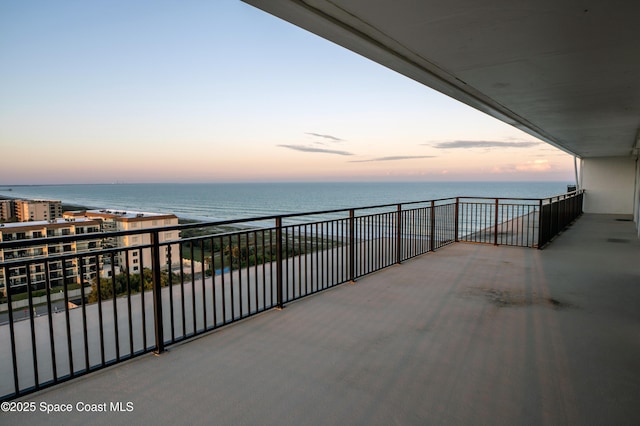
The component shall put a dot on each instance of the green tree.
(135, 280)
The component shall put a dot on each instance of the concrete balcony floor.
(471, 334)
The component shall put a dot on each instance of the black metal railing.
(556, 213)
(84, 311)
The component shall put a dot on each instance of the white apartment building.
(33, 210)
(74, 270)
(134, 260)
(6, 210)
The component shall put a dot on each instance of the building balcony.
(465, 334)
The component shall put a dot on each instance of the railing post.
(32, 314)
(495, 229)
(352, 246)
(7, 288)
(399, 235)
(545, 223)
(539, 223)
(560, 213)
(457, 220)
(279, 265)
(157, 291)
(432, 230)
(555, 210)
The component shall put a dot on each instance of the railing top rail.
(499, 198)
(563, 196)
(566, 195)
(220, 223)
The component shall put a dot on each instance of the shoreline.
(190, 233)
(68, 207)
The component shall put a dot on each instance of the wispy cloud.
(394, 158)
(483, 144)
(534, 166)
(306, 148)
(530, 166)
(319, 135)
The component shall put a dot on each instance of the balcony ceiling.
(566, 72)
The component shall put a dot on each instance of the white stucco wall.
(610, 185)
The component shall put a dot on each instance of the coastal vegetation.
(212, 254)
(240, 249)
(125, 283)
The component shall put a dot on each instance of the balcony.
(469, 333)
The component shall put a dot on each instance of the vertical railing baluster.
(279, 261)
(247, 269)
(212, 268)
(171, 309)
(286, 266)
(540, 225)
(182, 299)
(432, 229)
(128, 283)
(495, 229)
(115, 306)
(323, 256)
(85, 333)
(203, 278)
(352, 246)
(240, 299)
(100, 317)
(143, 305)
(475, 228)
(271, 271)
(67, 320)
(314, 258)
(334, 252)
(193, 288)
(456, 223)
(255, 269)
(297, 230)
(32, 314)
(52, 342)
(264, 271)
(399, 234)
(306, 262)
(12, 333)
(157, 291)
(222, 283)
(340, 250)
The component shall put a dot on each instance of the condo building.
(7, 212)
(77, 270)
(70, 271)
(133, 260)
(33, 210)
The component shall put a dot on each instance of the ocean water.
(226, 201)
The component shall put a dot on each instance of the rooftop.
(37, 201)
(470, 334)
(105, 213)
(43, 223)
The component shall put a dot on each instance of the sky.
(218, 91)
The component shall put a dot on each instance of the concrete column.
(610, 185)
